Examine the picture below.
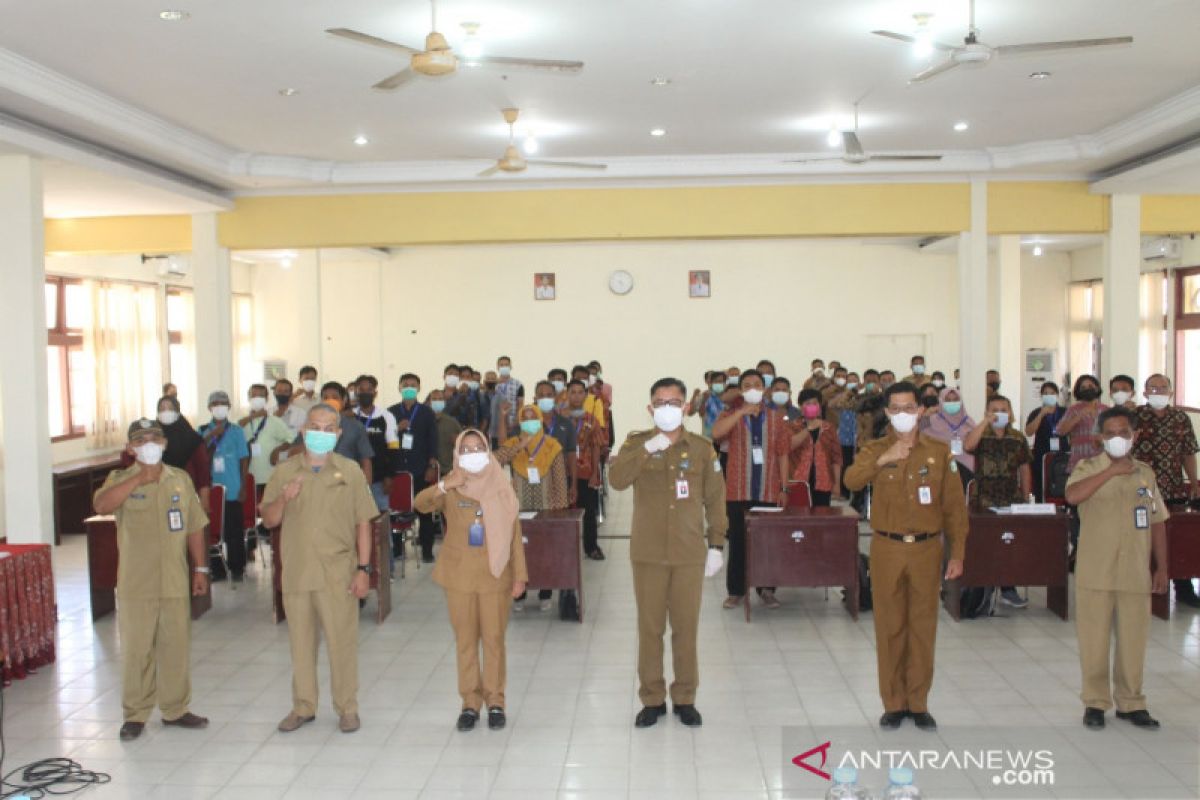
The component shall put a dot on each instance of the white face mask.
(220, 412)
(918, 369)
(591, 380)
(1049, 400)
(1121, 398)
(938, 383)
(258, 403)
(309, 386)
(903, 422)
(504, 371)
(168, 417)
(1117, 446)
(818, 371)
(473, 462)
(452, 381)
(149, 453)
(839, 381)
(753, 396)
(1001, 419)
(558, 386)
(780, 398)
(1158, 401)
(668, 418)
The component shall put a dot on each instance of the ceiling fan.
(513, 161)
(853, 153)
(438, 59)
(974, 52)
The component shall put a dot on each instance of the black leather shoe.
(649, 715)
(496, 719)
(1141, 719)
(688, 715)
(467, 720)
(924, 720)
(131, 731)
(1093, 718)
(892, 719)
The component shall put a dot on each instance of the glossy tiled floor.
(572, 698)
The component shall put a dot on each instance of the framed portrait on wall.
(699, 283)
(273, 370)
(543, 286)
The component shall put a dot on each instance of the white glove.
(659, 442)
(714, 562)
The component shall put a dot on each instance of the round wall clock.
(620, 282)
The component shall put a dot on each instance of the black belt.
(907, 538)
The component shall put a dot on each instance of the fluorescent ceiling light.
(172, 15)
(961, 126)
(658, 131)
(361, 140)
(833, 138)
(530, 145)
(1037, 249)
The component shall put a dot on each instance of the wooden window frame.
(1184, 322)
(67, 340)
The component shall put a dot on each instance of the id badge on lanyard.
(1055, 445)
(174, 520)
(956, 446)
(475, 532)
(406, 441)
(218, 463)
(534, 475)
(681, 489)
(925, 495)
(756, 455)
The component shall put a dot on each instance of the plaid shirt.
(776, 441)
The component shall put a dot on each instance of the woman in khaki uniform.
(481, 566)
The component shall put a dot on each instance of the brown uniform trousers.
(479, 603)
(668, 548)
(1112, 583)
(154, 591)
(906, 576)
(319, 547)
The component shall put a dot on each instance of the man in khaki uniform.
(159, 523)
(916, 495)
(677, 487)
(325, 507)
(1122, 521)
(917, 378)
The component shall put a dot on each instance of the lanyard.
(537, 449)
(261, 424)
(755, 437)
(553, 425)
(953, 428)
(216, 443)
(366, 421)
(412, 415)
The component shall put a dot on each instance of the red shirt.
(827, 452)
(776, 441)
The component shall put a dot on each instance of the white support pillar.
(973, 303)
(28, 515)
(1011, 365)
(212, 283)
(1122, 296)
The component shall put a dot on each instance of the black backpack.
(1056, 481)
(568, 605)
(864, 584)
(977, 601)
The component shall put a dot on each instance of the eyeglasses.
(664, 403)
(472, 449)
(911, 408)
(1159, 390)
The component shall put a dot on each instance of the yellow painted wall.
(1163, 214)
(148, 234)
(1045, 207)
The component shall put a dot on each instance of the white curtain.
(123, 345)
(181, 319)
(1152, 332)
(246, 370)
(1086, 321)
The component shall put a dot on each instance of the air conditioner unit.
(1162, 247)
(1039, 368)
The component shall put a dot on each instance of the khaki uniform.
(668, 548)
(906, 576)
(320, 556)
(154, 590)
(1112, 574)
(917, 380)
(478, 602)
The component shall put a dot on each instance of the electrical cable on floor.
(45, 777)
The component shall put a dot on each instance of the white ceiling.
(753, 81)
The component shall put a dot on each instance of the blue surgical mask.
(768, 380)
(319, 442)
(558, 386)
(409, 393)
(546, 404)
(473, 385)
(718, 388)
(531, 426)
(438, 406)
(952, 407)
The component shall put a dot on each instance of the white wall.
(787, 300)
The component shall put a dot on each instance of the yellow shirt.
(668, 529)
(897, 490)
(318, 536)
(152, 529)
(1114, 554)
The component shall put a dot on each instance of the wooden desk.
(803, 547)
(1014, 550)
(554, 551)
(103, 558)
(1183, 555)
(74, 484)
(381, 553)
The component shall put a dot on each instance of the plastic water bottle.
(846, 787)
(901, 787)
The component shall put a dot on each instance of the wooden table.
(28, 611)
(381, 554)
(75, 482)
(554, 551)
(1014, 550)
(1183, 555)
(103, 559)
(803, 547)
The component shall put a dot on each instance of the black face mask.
(283, 399)
(994, 385)
(365, 399)
(929, 401)
(490, 384)
(1088, 394)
